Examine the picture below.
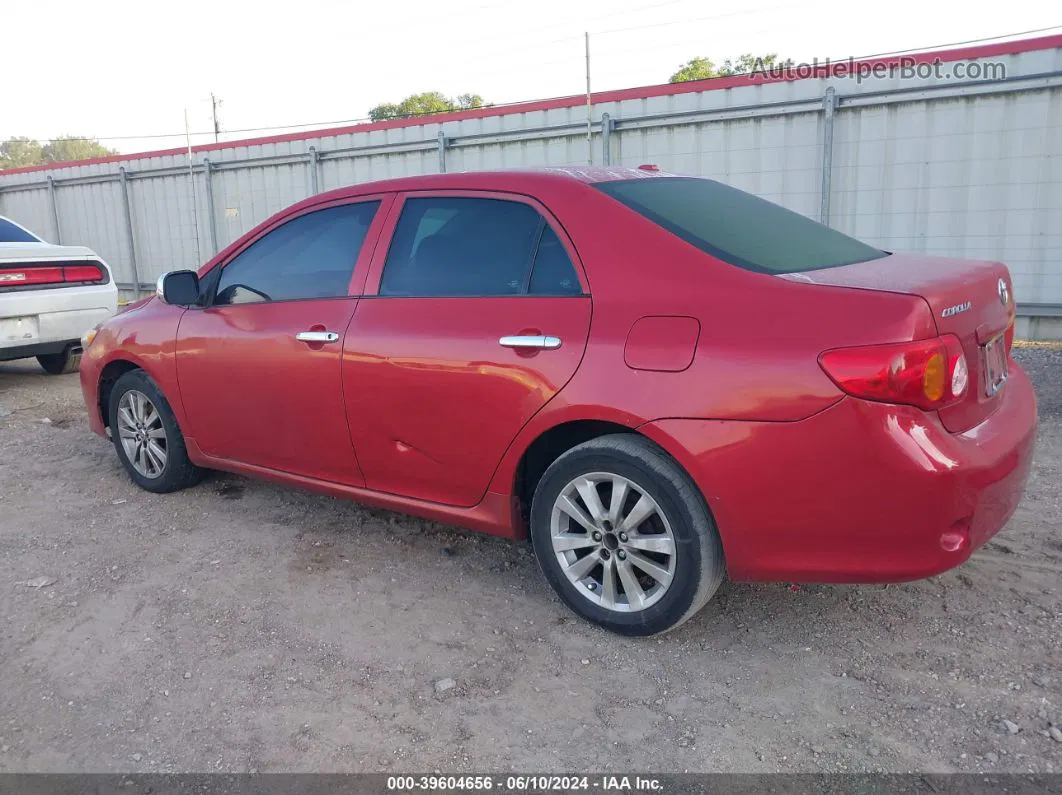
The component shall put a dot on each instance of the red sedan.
(658, 379)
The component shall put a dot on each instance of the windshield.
(12, 233)
(737, 227)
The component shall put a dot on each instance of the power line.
(694, 19)
(501, 105)
(617, 13)
(539, 45)
(568, 25)
(607, 52)
(931, 47)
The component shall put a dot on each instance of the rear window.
(737, 227)
(10, 233)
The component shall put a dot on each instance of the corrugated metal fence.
(968, 168)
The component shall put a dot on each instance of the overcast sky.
(122, 70)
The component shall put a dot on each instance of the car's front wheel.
(624, 537)
(147, 437)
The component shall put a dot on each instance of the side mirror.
(178, 287)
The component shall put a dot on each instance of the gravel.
(1043, 362)
(311, 626)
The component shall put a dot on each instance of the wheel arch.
(537, 448)
(109, 375)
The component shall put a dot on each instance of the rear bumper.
(37, 349)
(38, 321)
(861, 492)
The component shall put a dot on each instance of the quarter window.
(553, 273)
(463, 246)
(308, 257)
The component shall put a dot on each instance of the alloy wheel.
(613, 542)
(142, 434)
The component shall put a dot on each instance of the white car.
(49, 297)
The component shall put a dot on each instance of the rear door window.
(468, 246)
(737, 227)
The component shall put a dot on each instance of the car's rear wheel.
(61, 363)
(146, 436)
(624, 537)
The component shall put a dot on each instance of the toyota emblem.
(1004, 293)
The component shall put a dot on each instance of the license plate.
(19, 329)
(995, 365)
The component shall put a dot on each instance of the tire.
(684, 580)
(138, 442)
(60, 363)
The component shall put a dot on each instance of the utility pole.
(589, 117)
(214, 103)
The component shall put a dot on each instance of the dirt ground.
(240, 626)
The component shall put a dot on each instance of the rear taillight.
(49, 274)
(82, 273)
(14, 277)
(930, 374)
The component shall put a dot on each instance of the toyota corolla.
(659, 380)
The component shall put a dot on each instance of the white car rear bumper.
(34, 322)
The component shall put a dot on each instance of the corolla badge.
(1004, 292)
(954, 310)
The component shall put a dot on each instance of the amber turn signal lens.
(88, 337)
(934, 379)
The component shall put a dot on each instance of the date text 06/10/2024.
(529, 783)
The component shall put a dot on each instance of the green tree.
(702, 68)
(694, 69)
(19, 152)
(744, 64)
(70, 147)
(469, 101)
(425, 104)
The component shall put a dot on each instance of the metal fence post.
(829, 109)
(208, 174)
(606, 139)
(314, 177)
(444, 142)
(55, 210)
(128, 218)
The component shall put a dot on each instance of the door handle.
(317, 336)
(539, 341)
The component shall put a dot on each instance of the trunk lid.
(33, 252)
(972, 300)
(29, 266)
